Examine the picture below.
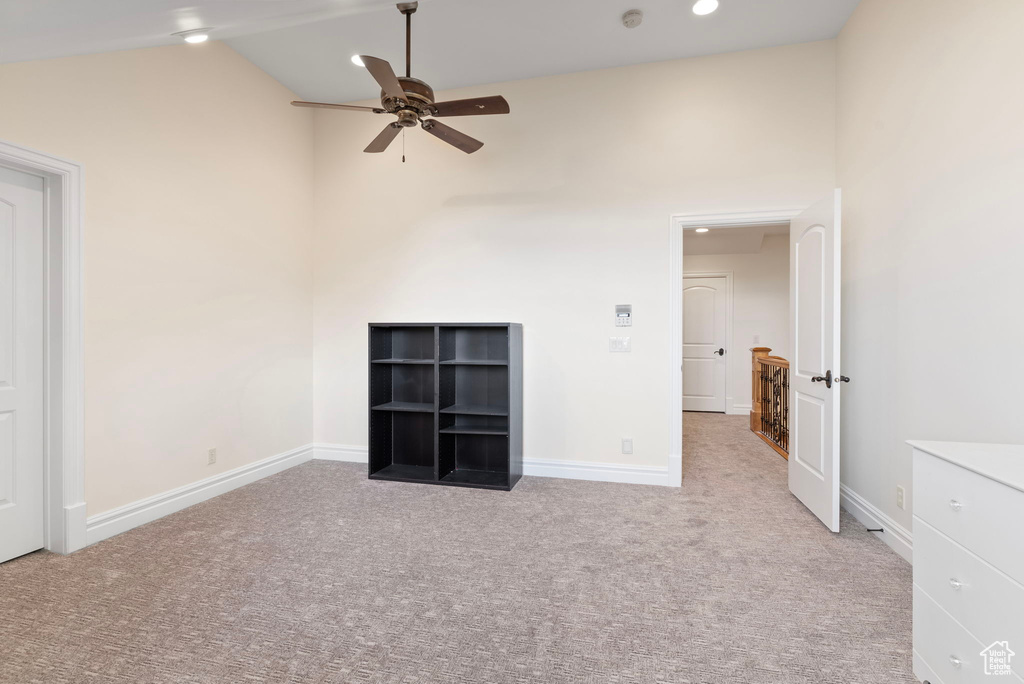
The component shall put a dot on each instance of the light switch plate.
(619, 344)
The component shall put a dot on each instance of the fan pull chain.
(403, 145)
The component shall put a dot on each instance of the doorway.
(735, 299)
(813, 324)
(58, 312)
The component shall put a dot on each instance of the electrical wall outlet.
(901, 498)
(211, 456)
(627, 445)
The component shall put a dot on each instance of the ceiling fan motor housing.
(419, 98)
(416, 89)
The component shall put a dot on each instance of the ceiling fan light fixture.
(702, 7)
(194, 36)
(358, 61)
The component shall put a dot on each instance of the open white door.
(814, 274)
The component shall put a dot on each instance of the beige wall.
(202, 186)
(760, 307)
(931, 161)
(198, 199)
(563, 214)
(198, 240)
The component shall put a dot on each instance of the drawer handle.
(955, 583)
(955, 662)
(955, 505)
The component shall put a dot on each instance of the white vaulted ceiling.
(39, 29)
(307, 44)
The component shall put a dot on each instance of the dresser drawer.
(978, 513)
(986, 602)
(946, 648)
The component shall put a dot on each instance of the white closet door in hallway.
(705, 311)
(21, 364)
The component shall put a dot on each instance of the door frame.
(728, 327)
(63, 438)
(677, 222)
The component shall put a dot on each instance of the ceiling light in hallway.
(200, 35)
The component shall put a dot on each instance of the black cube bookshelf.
(446, 403)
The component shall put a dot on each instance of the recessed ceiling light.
(702, 230)
(357, 60)
(703, 7)
(200, 35)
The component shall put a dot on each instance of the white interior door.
(21, 364)
(814, 263)
(705, 307)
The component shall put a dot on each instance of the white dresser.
(968, 562)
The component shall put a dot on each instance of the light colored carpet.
(320, 575)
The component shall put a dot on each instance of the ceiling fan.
(412, 100)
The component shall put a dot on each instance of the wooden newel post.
(756, 353)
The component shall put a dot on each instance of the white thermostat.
(623, 315)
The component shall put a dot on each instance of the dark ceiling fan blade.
(472, 107)
(385, 76)
(452, 136)
(326, 105)
(384, 138)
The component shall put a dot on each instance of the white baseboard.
(340, 452)
(75, 526)
(738, 410)
(599, 472)
(895, 535)
(104, 525)
(675, 470)
(573, 470)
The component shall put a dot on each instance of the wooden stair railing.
(769, 414)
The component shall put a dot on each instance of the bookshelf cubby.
(446, 403)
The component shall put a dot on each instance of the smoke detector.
(632, 18)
